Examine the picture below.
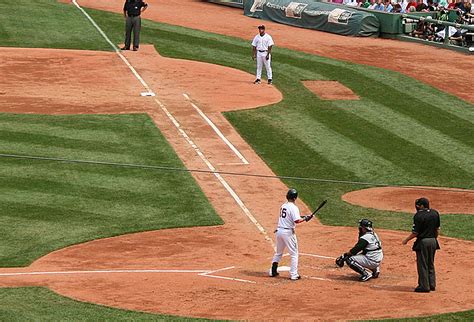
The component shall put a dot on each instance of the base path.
(444, 69)
(213, 272)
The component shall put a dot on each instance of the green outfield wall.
(315, 15)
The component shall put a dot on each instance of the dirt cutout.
(330, 90)
(452, 201)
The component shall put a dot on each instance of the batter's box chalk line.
(204, 273)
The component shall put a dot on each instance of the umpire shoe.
(125, 48)
(365, 277)
(421, 290)
(257, 81)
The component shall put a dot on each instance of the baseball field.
(117, 206)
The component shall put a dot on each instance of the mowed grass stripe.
(411, 130)
(422, 92)
(47, 24)
(91, 201)
(125, 132)
(403, 102)
(340, 150)
(58, 131)
(98, 176)
(391, 147)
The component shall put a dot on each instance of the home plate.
(147, 94)
(283, 269)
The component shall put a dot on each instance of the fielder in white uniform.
(367, 263)
(262, 45)
(285, 234)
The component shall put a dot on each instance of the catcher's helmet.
(292, 194)
(365, 223)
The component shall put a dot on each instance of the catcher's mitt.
(340, 260)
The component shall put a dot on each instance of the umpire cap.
(423, 202)
(292, 194)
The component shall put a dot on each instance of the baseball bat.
(319, 207)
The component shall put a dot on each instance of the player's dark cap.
(422, 202)
(366, 223)
(292, 194)
(261, 27)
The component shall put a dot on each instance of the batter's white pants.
(261, 61)
(286, 238)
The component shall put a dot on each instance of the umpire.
(426, 225)
(131, 12)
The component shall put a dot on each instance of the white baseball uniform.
(261, 43)
(286, 237)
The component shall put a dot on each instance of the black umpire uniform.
(426, 225)
(131, 11)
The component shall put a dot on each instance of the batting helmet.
(292, 194)
(365, 223)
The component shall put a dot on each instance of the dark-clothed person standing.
(131, 12)
(426, 225)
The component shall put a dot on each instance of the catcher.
(367, 263)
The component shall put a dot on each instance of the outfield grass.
(400, 132)
(46, 205)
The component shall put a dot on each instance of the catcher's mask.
(292, 194)
(365, 223)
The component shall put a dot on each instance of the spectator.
(397, 8)
(443, 3)
(366, 4)
(388, 6)
(403, 6)
(431, 6)
(372, 5)
(421, 7)
(412, 6)
(459, 5)
(380, 6)
(451, 4)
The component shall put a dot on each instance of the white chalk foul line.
(209, 274)
(318, 256)
(107, 272)
(218, 132)
(117, 51)
(183, 133)
(311, 255)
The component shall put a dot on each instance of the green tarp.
(314, 15)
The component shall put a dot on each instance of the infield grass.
(44, 305)
(46, 205)
(400, 132)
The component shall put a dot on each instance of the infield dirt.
(325, 292)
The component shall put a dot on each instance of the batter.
(285, 234)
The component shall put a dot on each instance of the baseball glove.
(340, 260)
